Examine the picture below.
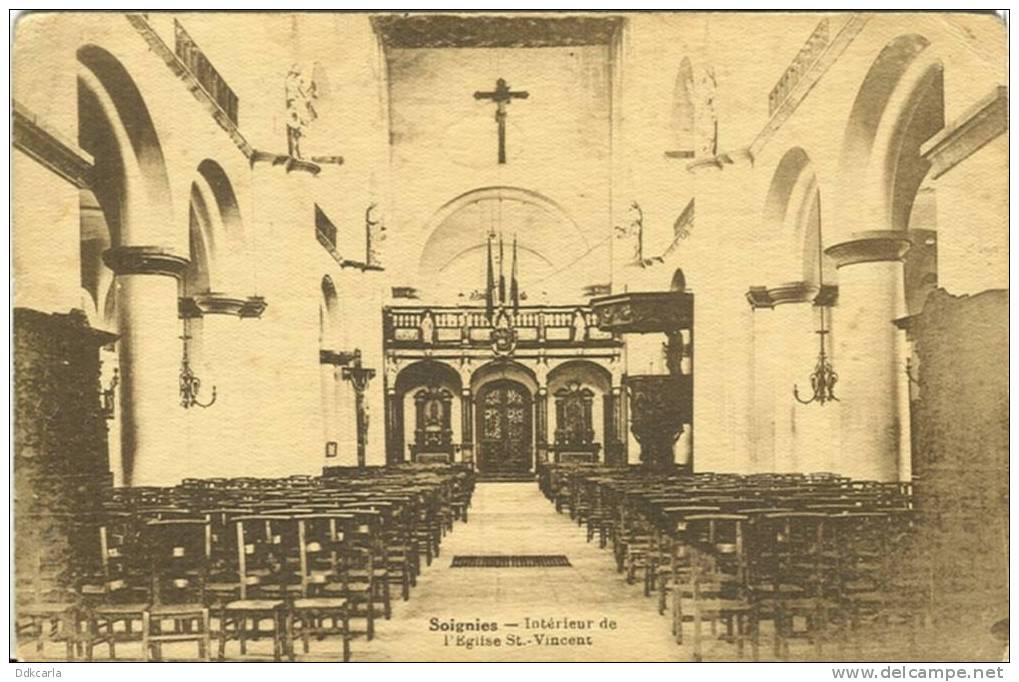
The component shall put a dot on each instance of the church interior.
(334, 329)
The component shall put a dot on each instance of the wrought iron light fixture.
(190, 384)
(824, 377)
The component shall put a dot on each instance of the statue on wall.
(579, 326)
(427, 327)
(706, 119)
(301, 94)
(375, 234)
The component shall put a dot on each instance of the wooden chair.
(789, 584)
(177, 552)
(673, 568)
(364, 575)
(309, 613)
(260, 568)
(115, 608)
(720, 589)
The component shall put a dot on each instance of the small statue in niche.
(301, 94)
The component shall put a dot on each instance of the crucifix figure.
(502, 95)
(359, 377)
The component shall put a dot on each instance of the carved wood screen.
(504, 427)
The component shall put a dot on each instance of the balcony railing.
(805, 58)
(199, 65)
(534, 326)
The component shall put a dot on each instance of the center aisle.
(514, 518)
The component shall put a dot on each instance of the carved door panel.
(504, 427)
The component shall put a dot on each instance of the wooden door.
(504, 427)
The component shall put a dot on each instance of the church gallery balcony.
(530, 327)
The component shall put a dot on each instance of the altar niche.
(433, 435)
(582, 411)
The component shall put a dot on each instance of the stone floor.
(514, 518)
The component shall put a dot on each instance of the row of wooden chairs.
(219, 560)
(812, 557)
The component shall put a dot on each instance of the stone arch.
(899, 105)
(456, 237)
(413, 378)
(114, 126)
(503, 369)
(202, 229)
(792, 220)
(218, 185)
(220, 231)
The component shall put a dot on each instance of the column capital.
(465, 392)
(792, 292)
(145, 260)
(872, 246)
(215, 303)
(253, 306)
(758, 297)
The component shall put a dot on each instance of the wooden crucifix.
(502, 95)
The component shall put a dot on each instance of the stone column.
(609, 453)
(762, 388)
(215, 359)
(619, 417)
(150, 357)
(869, 352)
(794, 354)
(466, 426)
(541, 423)
(394, 443)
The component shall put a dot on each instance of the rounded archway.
(899, 105)
(792, 220)
(504, 393)
(429, 418)
(523, 227)
(114, 126)
(580, 412)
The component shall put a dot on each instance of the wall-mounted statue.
(579, 326)
(681, 229)
(301, 94)
(375, 234)
(427, 327)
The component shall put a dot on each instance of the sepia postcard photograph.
(510, 336)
